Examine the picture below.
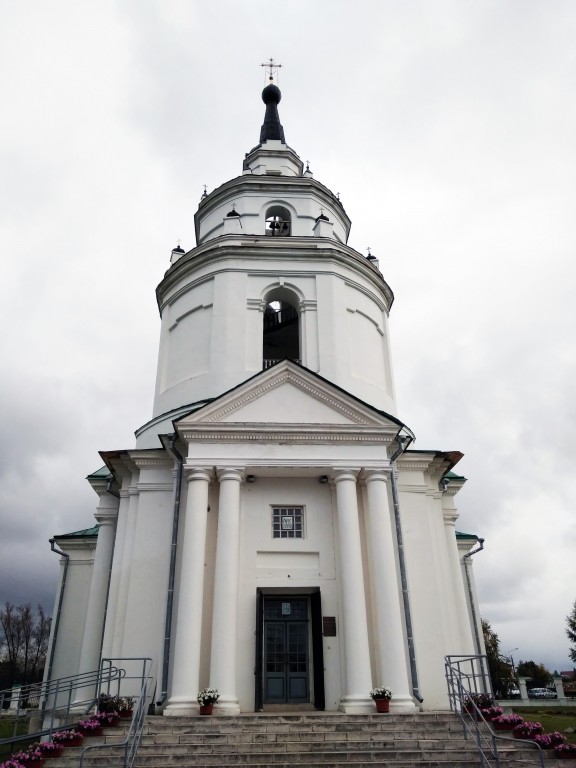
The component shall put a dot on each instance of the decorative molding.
(142, 486)
(189, 312)
(254, 433)
(276, 377)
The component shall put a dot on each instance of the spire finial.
(271, 66)
(272, 127)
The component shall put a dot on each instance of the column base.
(181, 706)
(227, 705)
(403, 704)
(357, 705)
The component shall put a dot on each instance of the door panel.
(286, 653)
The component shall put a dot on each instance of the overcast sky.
(448, 128)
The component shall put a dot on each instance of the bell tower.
(271, 278)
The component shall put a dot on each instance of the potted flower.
(506, 722)
(91, 727)
(50, 749)
(106, 719)
(489, 713)
(107, 703)
(11, 763)
(30, 758)
(527, 730)
(68, 738)
(207, 698)
(475, 701)
(126, 706)
(549, 740)
(566, 751)
(381, 698)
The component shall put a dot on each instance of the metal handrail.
(465, 677)
(144, 699)
(56, 700)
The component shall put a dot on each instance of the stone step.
(311, 740)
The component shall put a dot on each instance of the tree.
(540, 676)
(571, 631)
(23, 642)
(500, 668)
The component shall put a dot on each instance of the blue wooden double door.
(289, 654)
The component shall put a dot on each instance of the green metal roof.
(85, 533)
(102, 472)
(453, 476)
(460, 535)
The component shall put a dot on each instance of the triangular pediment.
(289, 397)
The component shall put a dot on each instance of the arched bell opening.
(281, 331)
(278, 221)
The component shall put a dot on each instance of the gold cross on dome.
(271, 67)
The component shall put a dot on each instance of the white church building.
(273, 533)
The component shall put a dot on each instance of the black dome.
(271, 94)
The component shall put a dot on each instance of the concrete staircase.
(310, 740)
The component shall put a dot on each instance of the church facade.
(273, 534)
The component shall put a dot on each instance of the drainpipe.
(109, 481)
(172, 569)
(479, 548)
(403, 443)
(59, 608)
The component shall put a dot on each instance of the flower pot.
(126, 714)
(206, 709)
(33, 763)
(74, 742)
(565, 755)
(503, 726)
(382, 705)
(54, 752)
(93, 732)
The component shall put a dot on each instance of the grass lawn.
(6, 730)
(552, 719)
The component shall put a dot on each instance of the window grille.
(288, 522)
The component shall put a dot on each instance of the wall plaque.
(329, 626)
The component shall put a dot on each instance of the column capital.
(345, 473)
(230, 473)
(450, 516)
(198, 473)
(382, 474)
(106, 516)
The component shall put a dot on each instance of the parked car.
(542, 693)
(514, 693)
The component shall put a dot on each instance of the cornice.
(75, 545)
(259, 248)
(249, 184)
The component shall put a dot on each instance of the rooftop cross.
(271, 67)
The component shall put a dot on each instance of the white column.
(464, 642)
(112, 608)
(357, 675)
(390, 646)
(223, 657)
(125, 570)
(188, 635)
(106, 516)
